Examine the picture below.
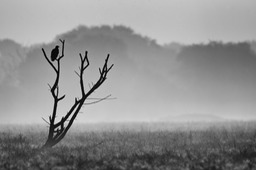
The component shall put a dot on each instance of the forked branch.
(58, 130)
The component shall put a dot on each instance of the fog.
(150, 82)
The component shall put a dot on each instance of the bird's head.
(56, 46)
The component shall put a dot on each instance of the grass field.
(213, 146)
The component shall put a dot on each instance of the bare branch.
(61, 98)
(95, 98)
(58, 130)
(57, 91)
(55, 69)
(99, 100)
(63, 43)
(46, 121)
(49, 86)
(77, 74)
(82, 69)
(110, 67)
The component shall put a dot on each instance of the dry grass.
(148, 146)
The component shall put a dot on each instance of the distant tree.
(58, 129)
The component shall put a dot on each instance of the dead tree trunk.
(58, 130)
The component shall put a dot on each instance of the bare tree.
(58, 129)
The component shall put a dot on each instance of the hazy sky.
(151, 81)
(185, 21)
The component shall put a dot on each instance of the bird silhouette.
(55, 53)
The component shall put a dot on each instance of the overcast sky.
(185, 21)
(151, 81)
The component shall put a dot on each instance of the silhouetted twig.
(58, 130)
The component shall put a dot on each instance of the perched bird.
(55, 53)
